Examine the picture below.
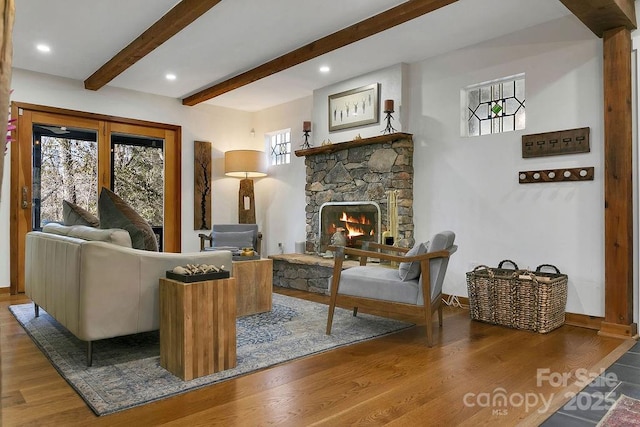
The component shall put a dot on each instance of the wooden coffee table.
(197, 327)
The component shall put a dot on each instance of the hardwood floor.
(393, 380)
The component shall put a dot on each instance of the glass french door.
(69, 155)
(65, 167)
(137, 176)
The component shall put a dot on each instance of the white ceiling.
(238, 35)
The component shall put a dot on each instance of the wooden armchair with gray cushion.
(415, 288)
(230, 236)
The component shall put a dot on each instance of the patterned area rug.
(625, 412)
(126, 371)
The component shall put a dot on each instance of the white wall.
(391, 83)
(225, 128)
(470, 185)
(280, 197)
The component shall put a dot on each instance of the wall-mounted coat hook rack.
(556, 175)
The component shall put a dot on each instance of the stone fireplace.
(359, 220)
(354, 178)
(360, 171)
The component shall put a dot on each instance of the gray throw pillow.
(232, 239)
(411, 270)
(116, 213)
(73, 214)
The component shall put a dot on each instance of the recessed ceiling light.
(170, 76)
(325, 69)
(43, 48)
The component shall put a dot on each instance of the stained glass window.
(495, 107)
(280, 147)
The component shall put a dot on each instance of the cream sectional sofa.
(94, 284)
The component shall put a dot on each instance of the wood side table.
(197, 327)
(255, 285)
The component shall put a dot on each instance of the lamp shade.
(245, 163)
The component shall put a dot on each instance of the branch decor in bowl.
(197, 273)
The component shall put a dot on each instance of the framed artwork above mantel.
(353, 108)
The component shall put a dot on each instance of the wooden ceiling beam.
(179, 17)
(390, 18)
(602, 15)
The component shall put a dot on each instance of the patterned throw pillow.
(73, 214)
(411, 270)
(116, 213)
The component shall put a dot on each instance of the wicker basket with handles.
(519, 299)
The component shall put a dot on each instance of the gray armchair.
(228, 236)
(415, 288)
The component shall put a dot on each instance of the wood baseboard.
(616, 330)
(583, 321)
(6, 290)
(573, 319)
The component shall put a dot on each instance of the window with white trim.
(279, 147)
(494, 107)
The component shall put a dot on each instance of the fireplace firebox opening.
(360, 220)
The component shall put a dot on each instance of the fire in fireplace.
(360, 220)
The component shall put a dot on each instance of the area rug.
(126, 371)
(624, 412)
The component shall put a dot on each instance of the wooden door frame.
(21, 173)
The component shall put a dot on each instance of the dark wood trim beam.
(174, 21)
(618, 189)
(390, 18)
(96, 116)
(602, 15)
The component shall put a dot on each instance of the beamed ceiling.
(251, 54)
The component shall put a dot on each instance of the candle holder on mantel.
(388, 109)
(306, 129)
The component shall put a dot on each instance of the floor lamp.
(245, 164)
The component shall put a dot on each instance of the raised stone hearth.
(304, 272)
